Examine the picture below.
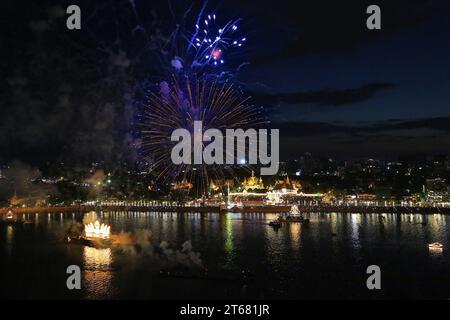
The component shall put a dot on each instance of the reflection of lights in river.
(9, 234)
(97, 274)
(333, 222)
(435, 249)
(229, 234)
(229, 245)
(9, 239)
(97, 258)
(436, 223)
(294, 230)
(356, 221)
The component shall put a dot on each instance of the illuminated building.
(15, 201)
(182, 185)
(284, 191)
(253, 183)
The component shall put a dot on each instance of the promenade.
(222, 209)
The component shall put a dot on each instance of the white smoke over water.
(140, 245)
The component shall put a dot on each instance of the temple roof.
(286, 183)
(253, 183)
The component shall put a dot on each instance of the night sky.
(332, 87)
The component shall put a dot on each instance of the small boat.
(293, 219)
(79, 240)
(436, 245)
(293, 216)
(89, 242)
(10, 219)
(275, 224)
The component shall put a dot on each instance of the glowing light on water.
(97, 276)
(97, 230)
(436, 246)
(9, 234)
(295, 235)
(436, 249)
(229, 244)
(97, 258)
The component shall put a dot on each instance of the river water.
(326, 259)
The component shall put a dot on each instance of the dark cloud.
(329, 26)
(326, 97)
(439, 124)
(384, 138)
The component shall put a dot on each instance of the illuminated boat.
(290, 219)
(89, 242)
(97, 230)
(10, 219)
(95, 235)
(293, 216)
(436, 246)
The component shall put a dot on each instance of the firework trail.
(213, 41)
(217, 105)
(206, 48)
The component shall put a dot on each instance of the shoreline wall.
(217, 209)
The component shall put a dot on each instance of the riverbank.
(236, 209)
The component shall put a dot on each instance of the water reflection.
(9, 239)
(97, 258)
(435, 252)
(294, 232)
(355, 223)
(9, 234)
(294, 261)
(229, 244)
(97, 275)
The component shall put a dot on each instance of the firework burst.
(208, 48)
(212, 41)
(178, 105)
